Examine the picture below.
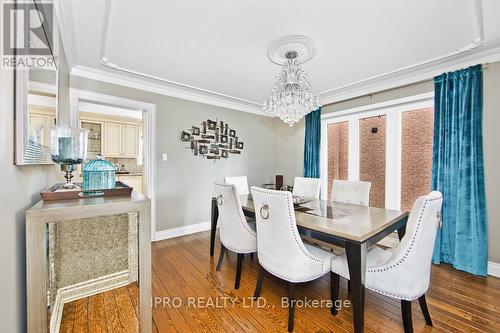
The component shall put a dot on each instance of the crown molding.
(169, 89)
(476, 53)
(413, 74)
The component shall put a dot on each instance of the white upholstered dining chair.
(404, 272)
(241, 183)
(351, 192)
(235, 233)
(306, 187)
(280, 249)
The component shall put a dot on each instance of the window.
(388, 144)
(417, 129)
(372, 157)
(338, 145)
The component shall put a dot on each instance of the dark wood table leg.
(402, 231)
(356, 260)
(213, 226)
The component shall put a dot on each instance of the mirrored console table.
(85, 251)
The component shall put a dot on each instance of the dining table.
(352, 227)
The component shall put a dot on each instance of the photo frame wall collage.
(213, 140)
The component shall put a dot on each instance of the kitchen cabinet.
(121, 140)
(140, 155)
(113, 139)
(134, 181)
(118, 137)
(130, 141)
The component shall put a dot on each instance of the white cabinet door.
(130, 140)
(112, 140)
(132, 181)
(140, 154)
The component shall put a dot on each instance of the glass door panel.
(372, 154)
(416, 155)
(338, 153)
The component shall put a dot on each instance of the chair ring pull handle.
(220, 200)
(264, 212)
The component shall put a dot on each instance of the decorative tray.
(54, 192)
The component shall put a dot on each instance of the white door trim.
(77, 95)
(393, 160)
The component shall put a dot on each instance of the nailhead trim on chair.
(237, 251)
(301, 248)
(403, 259)
(405, 255)
(287, 279)
(392, 295)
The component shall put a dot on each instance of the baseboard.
(84, 289)
(493, 269)
(181, 231)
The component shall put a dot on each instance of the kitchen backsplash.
(130, 164)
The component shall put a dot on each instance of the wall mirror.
(36, 81)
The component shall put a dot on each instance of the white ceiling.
(220, 45)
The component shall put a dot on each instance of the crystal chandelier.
(291, 99)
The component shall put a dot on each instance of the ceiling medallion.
(291, 98)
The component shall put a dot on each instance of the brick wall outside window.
(338, 150)
(416, 155)
(417, 129)
(372, 157)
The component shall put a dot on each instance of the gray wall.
(289, 150)
(21, 186)
(289, 141)
(410, 90)
(184, 183)
(20, 189)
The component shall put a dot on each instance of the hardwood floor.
(112, 311)
(189, 296)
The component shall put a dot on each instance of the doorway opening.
(117, 135)
(123, 131)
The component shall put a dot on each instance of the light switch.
(164, 156)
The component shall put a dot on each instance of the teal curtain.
(457, 170)
(312, 144)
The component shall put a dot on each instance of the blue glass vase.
(98, 174)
